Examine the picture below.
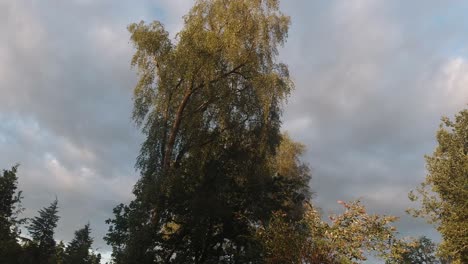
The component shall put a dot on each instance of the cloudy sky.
(372, 80)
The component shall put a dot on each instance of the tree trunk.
(175, 129)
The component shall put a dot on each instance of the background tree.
(444, 193)
(42, 229)
(210, 106)
(119, 233)
(79, 250)
(291, 178)
(346, 239)
(60, 253)
(10, 208)
(416, 251)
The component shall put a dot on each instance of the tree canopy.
(209, 104)
(10, 208)
(42, 229)
(348, 237)
(444, 193)
(416, 251)
(79, 249)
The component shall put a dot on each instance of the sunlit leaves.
(444, 193)
(346, 238)
(209, 103)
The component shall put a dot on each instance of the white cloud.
(27, 33)
(298, 124)
(74, 152)
(451, 86)
(58, 174)
(111, 42)
(174, 11)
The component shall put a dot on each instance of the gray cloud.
(65, 104)
(65, 107)
(372, 80)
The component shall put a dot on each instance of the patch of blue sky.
(454, 20)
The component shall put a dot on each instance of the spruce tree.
(42, 229)
(79, 249)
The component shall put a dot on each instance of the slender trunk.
(175, 129)
(166, 118)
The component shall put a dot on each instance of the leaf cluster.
(444, 193)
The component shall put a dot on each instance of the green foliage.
(209, 104)
(345, 239)
(444, 193)
(41, 248)
(42, 229)
(118, 232)
(220, 77)
(283, 241)
(79, 249)
(60, 253)
(416, 251)
(10, 208)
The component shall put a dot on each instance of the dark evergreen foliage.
(79, 249)
(42, 229)
(10, 207)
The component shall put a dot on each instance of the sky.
(373, 78)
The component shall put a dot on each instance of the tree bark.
(175, 129)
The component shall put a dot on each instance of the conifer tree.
(79, 250)
(60, 253)
(42, 229)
